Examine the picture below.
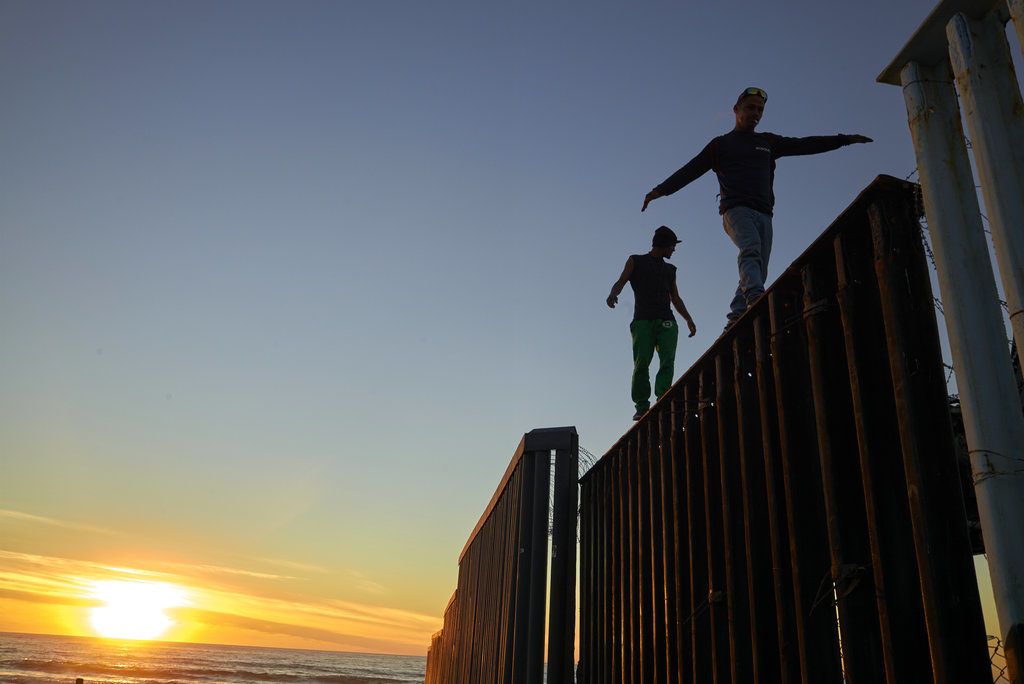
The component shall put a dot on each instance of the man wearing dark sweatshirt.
(744, 162)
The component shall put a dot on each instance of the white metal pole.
(988, 394)
(990, 99)
(1016, 8)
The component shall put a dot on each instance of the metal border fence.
(791, 510)
(495, 623)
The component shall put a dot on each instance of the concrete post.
(991, 407)
(990, 99)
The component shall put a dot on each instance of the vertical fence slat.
(734, 553)
(562, 613)
(817, 636)
(635, 569)
(538, 564)
(756, 530)
(680, 544)
(846, 520)
(897, 591)
(648, 643)
(715, 600)
(782, 577)
(667, 558)
(624, 673)
(700, 634)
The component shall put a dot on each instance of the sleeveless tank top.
(651, 281)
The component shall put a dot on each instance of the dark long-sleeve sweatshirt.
(745, 166)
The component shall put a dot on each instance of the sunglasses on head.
(755, 91)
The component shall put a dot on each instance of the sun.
(134, 610)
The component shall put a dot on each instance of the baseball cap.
(748, 92)
(663, 237)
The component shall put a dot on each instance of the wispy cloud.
(290, 565)
(245, 601)
(345, 641)
(365, 584)
(53, 599)
(33, 519)
(194, 568)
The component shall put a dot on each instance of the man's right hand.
(652, 195)
(611, 301)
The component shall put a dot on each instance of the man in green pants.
(653, 328)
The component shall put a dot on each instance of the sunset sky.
(283, 284)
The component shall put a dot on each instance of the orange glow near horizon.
(201, 601)
(133, 609)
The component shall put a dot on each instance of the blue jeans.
(751, 232)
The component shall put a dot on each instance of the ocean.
(33, 659)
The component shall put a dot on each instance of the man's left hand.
(859, 139)
(692, 327)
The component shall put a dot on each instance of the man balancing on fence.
(653, 327)
(744, 162)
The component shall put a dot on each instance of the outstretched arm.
(694, 169)
(677, 302)
(627, 271)
(814, 144)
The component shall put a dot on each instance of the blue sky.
(290, 280)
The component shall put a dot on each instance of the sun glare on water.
(134, 610)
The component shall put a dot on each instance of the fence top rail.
(881, 186)
(928, 45)
(540, 439)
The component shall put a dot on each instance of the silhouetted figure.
(744, 162)
(653, 327)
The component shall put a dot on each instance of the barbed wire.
(587, 460)
(929, 252)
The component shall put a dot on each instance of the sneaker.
(639, 414)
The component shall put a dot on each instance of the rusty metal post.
(680, 578)
(897, 592)
(697, 619)
(731, 493)
(510, 600)
(607, 588)
(782, 576)
(846, 521)
(951, 605)
(816, 632)
(715, 601)
(756, 532)
(633, 551)
(538, 564)
(588, 575)
(524, 563)
(624, 670)
(656, 541)
(641, 470)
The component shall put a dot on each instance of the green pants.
(648, 336)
